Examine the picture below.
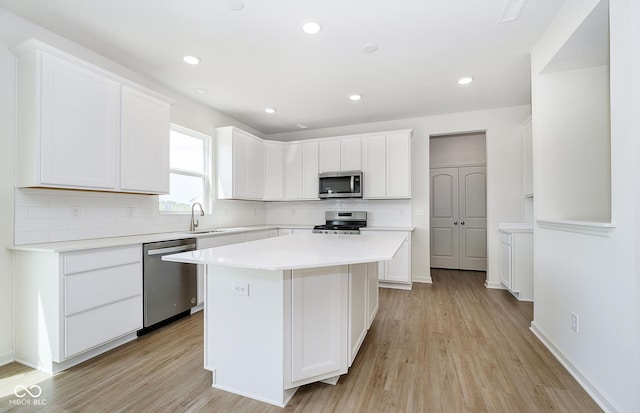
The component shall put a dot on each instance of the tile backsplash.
(51, 215)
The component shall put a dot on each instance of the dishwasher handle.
(171, 250)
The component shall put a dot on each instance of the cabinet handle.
(455, 222)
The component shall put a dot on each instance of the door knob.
(461, 222)
(455, 222)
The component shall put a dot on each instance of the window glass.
(188, 165)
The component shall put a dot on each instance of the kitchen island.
(287, 311)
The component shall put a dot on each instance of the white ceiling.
(259, 57)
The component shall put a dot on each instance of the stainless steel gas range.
(342, 222)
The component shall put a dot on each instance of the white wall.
(504, 176)
(457, 150)
(595, 277)
(7, 74)
(39, 208)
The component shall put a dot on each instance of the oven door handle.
(170, 250)
(353, 183)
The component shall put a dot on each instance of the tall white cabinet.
(81, 127)
(239, 162)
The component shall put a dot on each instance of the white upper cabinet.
(144, 145)
(386, 165)
(329, 155)
(72, 126)
(340, 154)
(273, 171)
(301, 170)
(239, 161)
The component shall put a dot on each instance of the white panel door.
(318, 322)
(445, 245)
(351, 154)
(144, 145)
(293, 171)
(473, 218)
(459, 218)
(273, 170)
(329, 155)
(374, 166)
(310, 170)
(80, 118)
(399, 165)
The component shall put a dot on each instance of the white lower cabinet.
(90, 301)
(516, 263)
(328, 312)
(396, 273)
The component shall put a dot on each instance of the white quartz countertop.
(298, 251)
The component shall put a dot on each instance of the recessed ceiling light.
(201, 91)
(270, 111)
(370, 48)
(511, 10)
(465, 80)
(355, 97)
(312, 27)
(192, 60)
(236, 5)
(301, 126)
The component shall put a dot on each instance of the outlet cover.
(574, 322)
(240, 289)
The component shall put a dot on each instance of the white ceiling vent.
(511, 10)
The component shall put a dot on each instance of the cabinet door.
(351, 154)
(255, 169)
(318, 322)
(310, 170)
(144, 144)
(240, 165)
(274, 171)
(80, 118)
(505, 265)
(374, 166)
(329, 155)
(293, 171)
(358, 310)
(399, 268)
(398, 172)
(372, 292)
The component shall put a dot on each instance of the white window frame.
(206, 175)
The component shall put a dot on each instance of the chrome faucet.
(194, 222)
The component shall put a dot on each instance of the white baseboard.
(494, 285)
(573, 370)
(6, 358)
(422, 279)
(397, 286)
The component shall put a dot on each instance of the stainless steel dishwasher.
(170, 288)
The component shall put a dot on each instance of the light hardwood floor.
(452, 346)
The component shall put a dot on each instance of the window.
(188, 168)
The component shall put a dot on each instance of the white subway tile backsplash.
(75, 234)
(25, 225)
(31, 237)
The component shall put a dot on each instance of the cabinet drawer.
(93, 328)
(92, 289)
(96, 259)
(505, 238)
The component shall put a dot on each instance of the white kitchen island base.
(276, 318)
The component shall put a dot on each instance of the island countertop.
(298, 251)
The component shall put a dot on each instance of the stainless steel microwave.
(346, 184)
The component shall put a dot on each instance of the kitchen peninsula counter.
(287, 311)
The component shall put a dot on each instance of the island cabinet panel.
(90, 301)
(372, 292)
(78, 126)
(358, 308)
(319, 323)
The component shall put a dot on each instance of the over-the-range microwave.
(345, 184)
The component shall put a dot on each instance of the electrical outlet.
(131, 212)
(574, 322)
(240, 289)
(76, 213)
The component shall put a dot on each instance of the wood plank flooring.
(453, 346)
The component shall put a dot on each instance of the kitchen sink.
(206, 231)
